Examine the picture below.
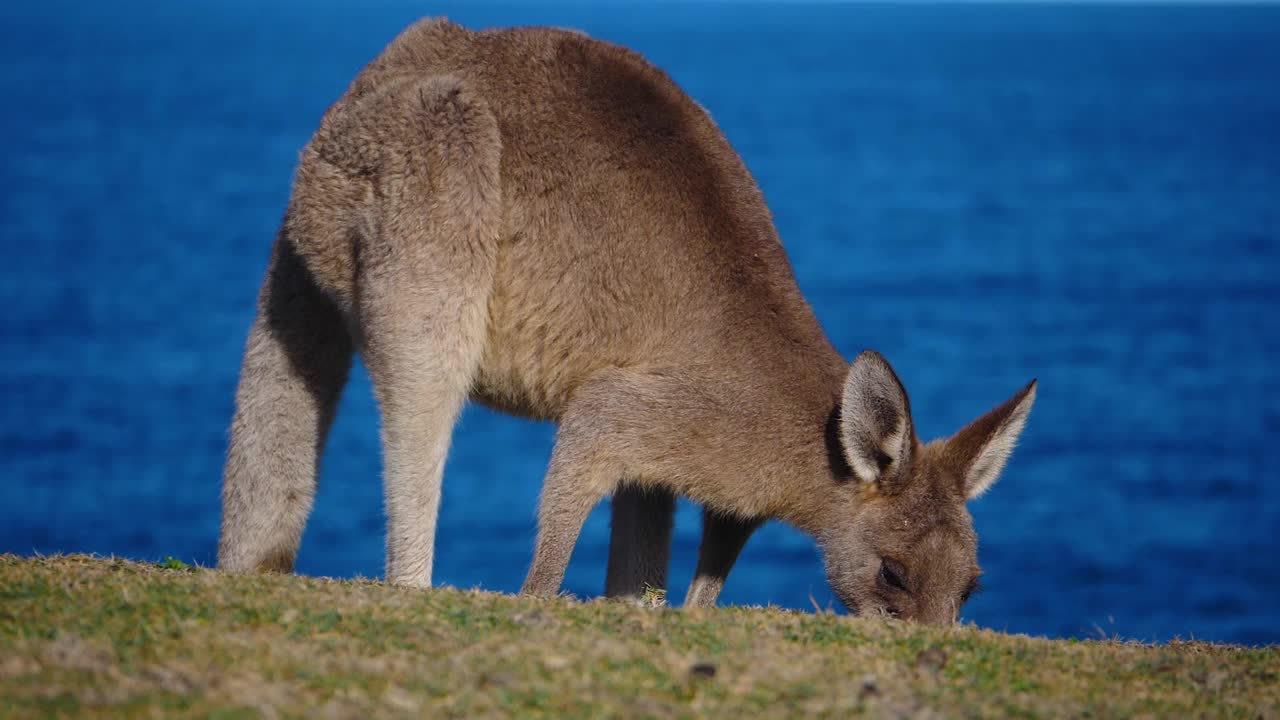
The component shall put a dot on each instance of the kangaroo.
(546, 224)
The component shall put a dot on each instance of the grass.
(83, 635)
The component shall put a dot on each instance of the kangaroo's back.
(632, 234)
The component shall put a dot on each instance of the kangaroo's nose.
(938, 616)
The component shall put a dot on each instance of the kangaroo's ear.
(979, 451)
(875, 422)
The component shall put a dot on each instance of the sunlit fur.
(547, 224)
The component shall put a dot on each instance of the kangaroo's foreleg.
(723, 537)
(295, 365)
(578, 477)
(587, 464)
(640, 540)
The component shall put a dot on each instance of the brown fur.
(546, 224)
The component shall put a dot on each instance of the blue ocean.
(986, 193)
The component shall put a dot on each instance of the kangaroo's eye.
(893, 574)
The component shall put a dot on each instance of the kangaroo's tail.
(295, 365)
(300, 347)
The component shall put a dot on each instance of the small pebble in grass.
(931, 659)
(496, 679)
(530, 618)
(868, 687)
(703, 670)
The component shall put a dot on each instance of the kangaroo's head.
(898, 539)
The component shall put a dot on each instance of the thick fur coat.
(547, 224)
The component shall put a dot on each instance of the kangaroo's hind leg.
(426, 271)
(295, 364)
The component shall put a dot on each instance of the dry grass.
(82, 635)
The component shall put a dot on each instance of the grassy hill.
(95, 636)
